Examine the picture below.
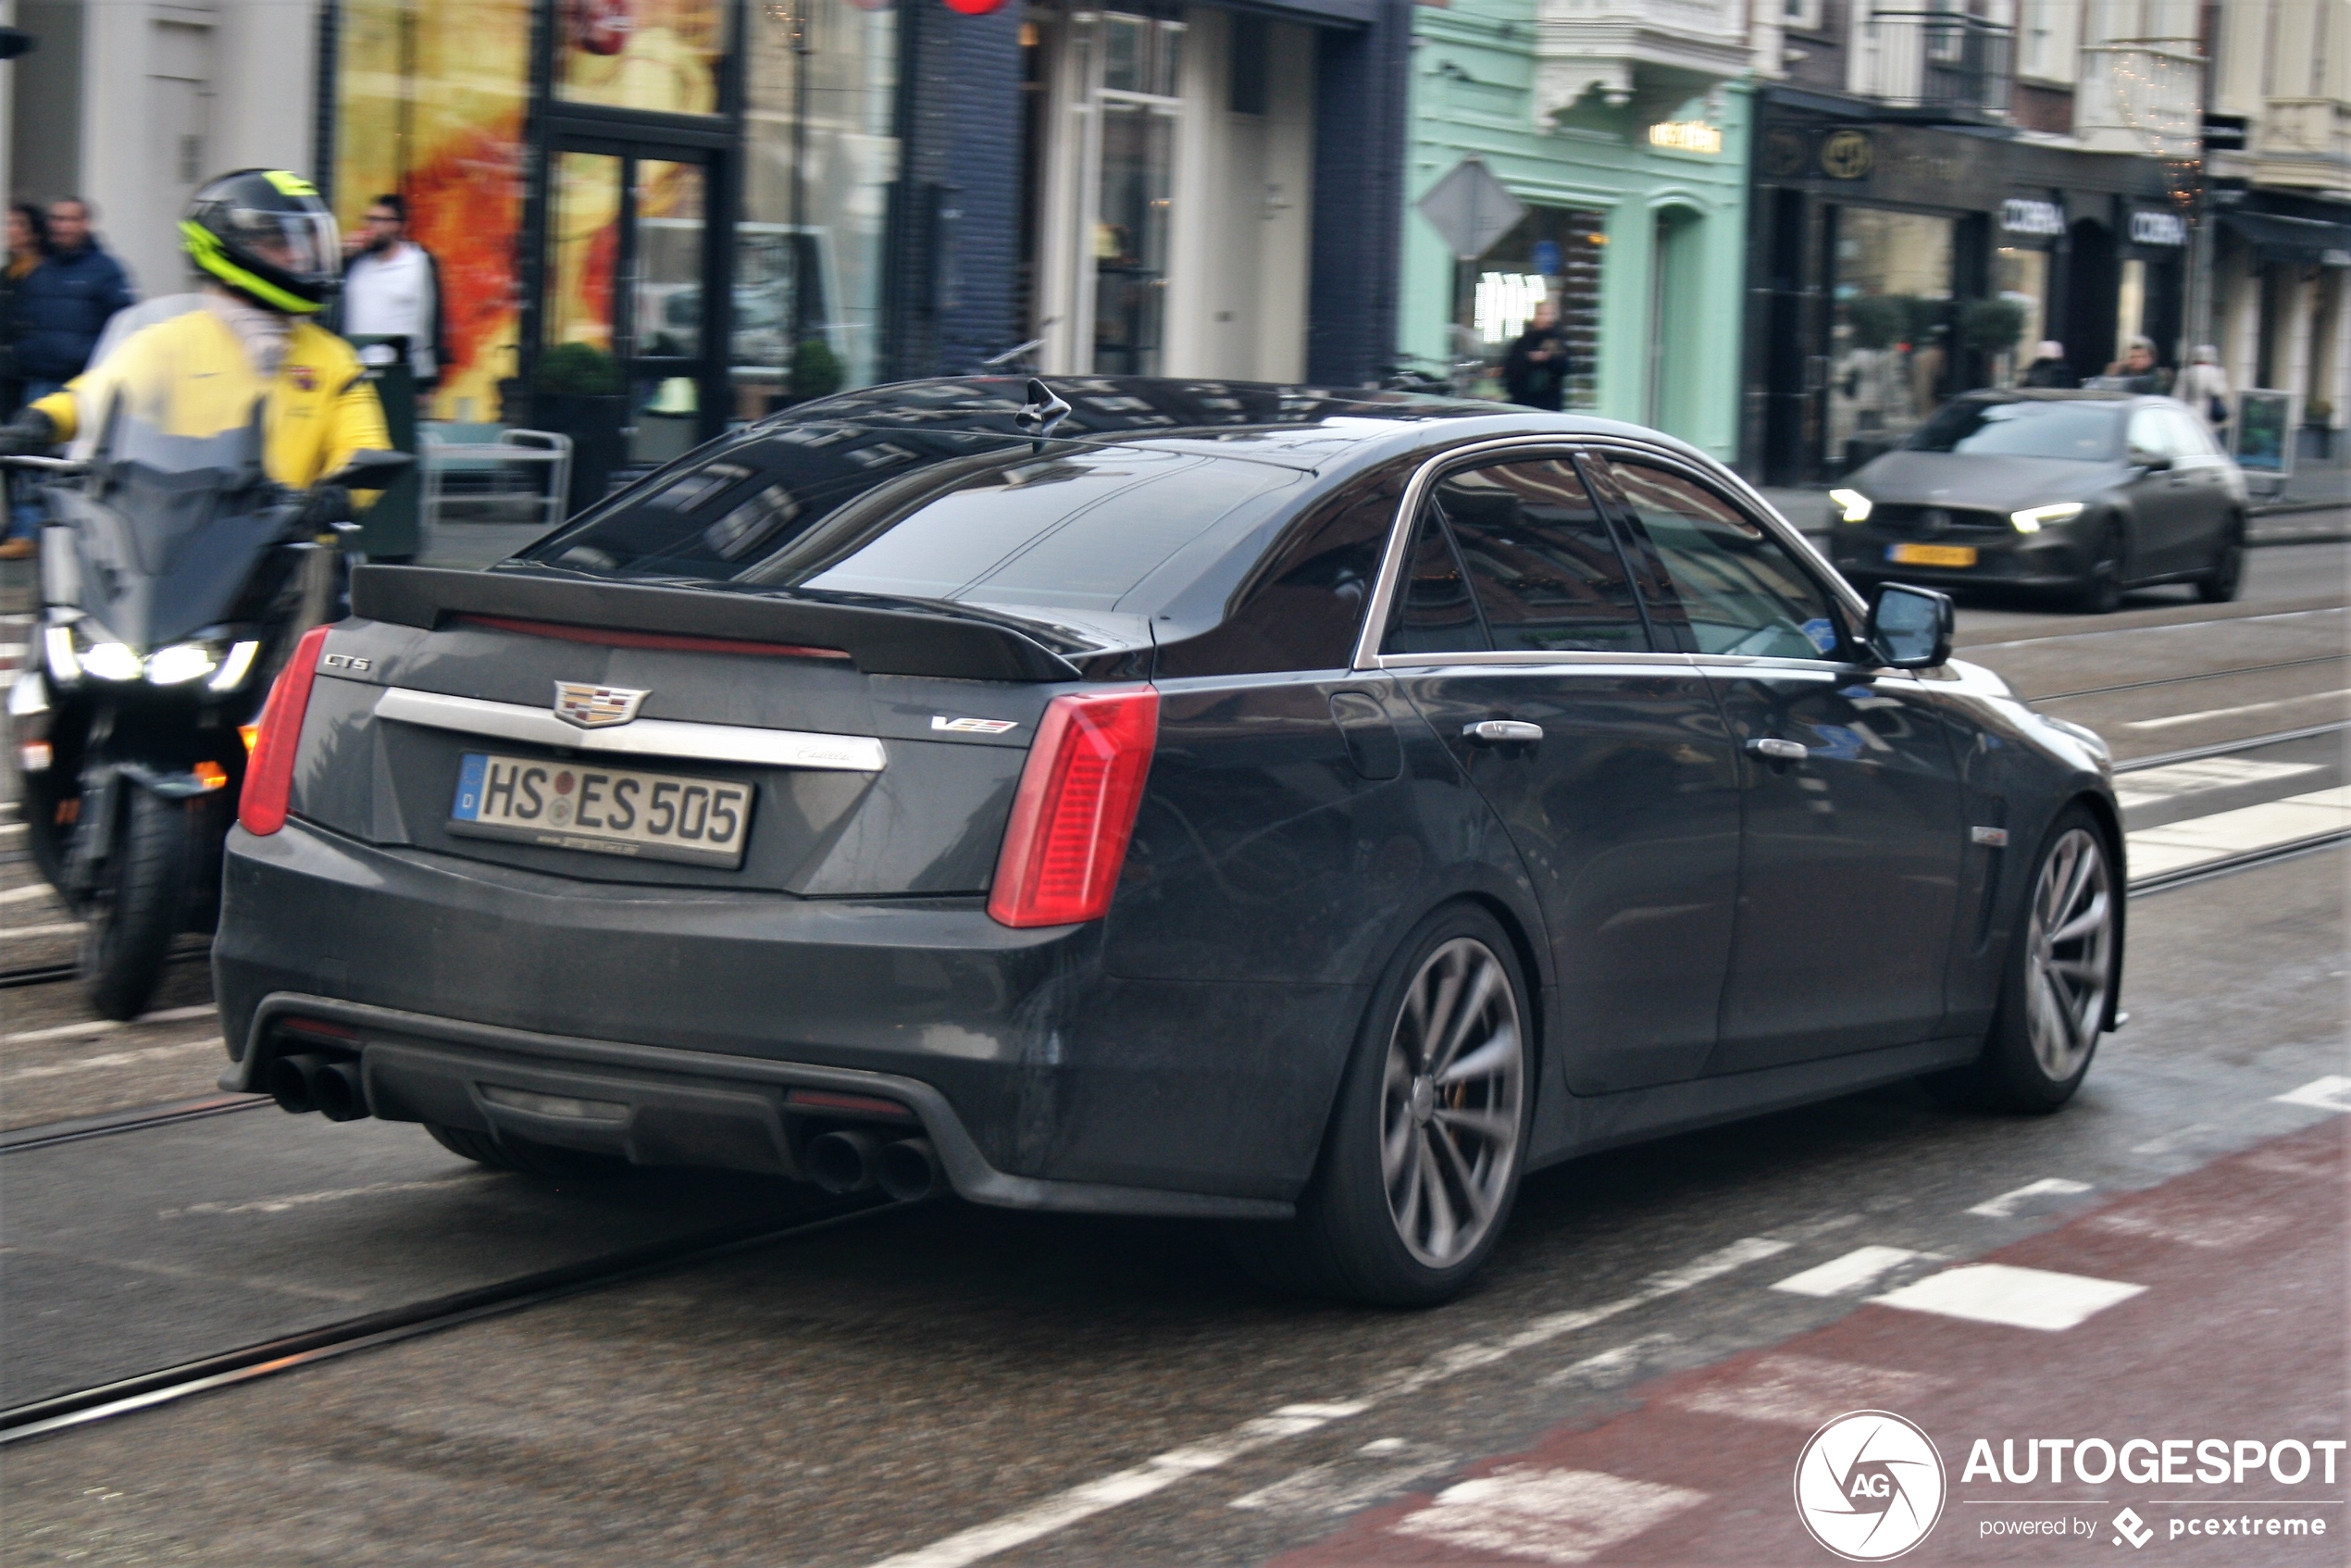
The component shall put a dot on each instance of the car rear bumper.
(1043, 1081)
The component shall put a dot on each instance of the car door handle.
(1501, 732)
(1778, 751)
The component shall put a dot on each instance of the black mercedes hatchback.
(1310, 810)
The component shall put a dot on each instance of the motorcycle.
(176, 580)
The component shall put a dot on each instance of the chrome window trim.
(640, 738)
(1400, 533)
(1748, 500)
(1559, 444)
(1584, 660)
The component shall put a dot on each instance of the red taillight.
(1076, 808)
(270, 777)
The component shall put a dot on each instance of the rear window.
(2086, 432)
(1074, 528)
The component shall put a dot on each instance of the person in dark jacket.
(65, 302)
(2049, 367)
(1535, 372)
(28, 243)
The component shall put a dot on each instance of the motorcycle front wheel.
(137, 912)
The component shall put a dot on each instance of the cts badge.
(594, 707)
(973, 725)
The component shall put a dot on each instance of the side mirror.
(1910, 627)
(2153, 462)
(371, 470)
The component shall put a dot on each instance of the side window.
(1434, 612)
(1542, 564)
(2148, 432)
(2188, 437)
(1736, 587)
(1302, 606)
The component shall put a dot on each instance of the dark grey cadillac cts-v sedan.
(1310, 810)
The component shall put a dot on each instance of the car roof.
(2055, 394)
(1319, 429)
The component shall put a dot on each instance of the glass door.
(629, 268)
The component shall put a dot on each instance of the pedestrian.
(1535, 372)
(28, 243)
(2136, 371)
(64, 302)
(2049, 367)
(391, 289)
(2204, 387)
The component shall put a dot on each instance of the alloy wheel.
(1452, 1104)
(2069, 959)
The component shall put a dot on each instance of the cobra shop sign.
(2022, 215)
(2151, 228)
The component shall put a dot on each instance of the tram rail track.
(2181, 680)
(268, 1358)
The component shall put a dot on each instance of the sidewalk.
(2206, 1310)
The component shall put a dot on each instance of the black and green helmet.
(265, 233)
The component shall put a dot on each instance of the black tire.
(2101, 591)
(2220, 585)
(138, 909)
(2017, 1071)
(1348, 1240)
(527, 1158)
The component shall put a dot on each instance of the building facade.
(2277, 156)
(1624, 130)
(710, 207)
(1936, 190)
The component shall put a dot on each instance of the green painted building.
(1632, 162)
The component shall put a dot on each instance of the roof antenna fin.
(1041, 412)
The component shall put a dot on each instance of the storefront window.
(2130, 306)
(2022, 278)
(656, 55)
(1890, 351)
(808, 254)
(429, 101)
(1554, 253)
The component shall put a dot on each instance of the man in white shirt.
(391, 288)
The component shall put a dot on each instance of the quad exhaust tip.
(331, 1085)
(905, 1169)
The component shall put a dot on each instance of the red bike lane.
(2235, 1337)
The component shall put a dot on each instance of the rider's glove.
(30, 434)
(327, 505)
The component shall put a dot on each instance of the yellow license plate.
(1931, 554)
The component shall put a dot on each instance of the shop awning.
(2277, 237)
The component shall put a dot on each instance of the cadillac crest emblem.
(594, 707)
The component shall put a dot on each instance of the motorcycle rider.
(268, 248)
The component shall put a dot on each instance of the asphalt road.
(963, 1385)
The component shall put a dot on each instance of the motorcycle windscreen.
(168, 527)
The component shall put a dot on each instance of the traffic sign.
(1470, 209)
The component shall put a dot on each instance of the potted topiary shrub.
(815, 371)
(575, 392)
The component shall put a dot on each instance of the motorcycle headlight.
(111, 661)
(2030, 520)
(179, 664)
(1851, 505)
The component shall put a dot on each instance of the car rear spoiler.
(882, 637)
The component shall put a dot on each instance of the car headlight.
(1852, 505)
(235, 668)
(2030, 520)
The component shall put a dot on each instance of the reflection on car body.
(1304, 809)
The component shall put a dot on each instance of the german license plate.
(605, 810)
(1931, 554)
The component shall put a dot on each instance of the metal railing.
(1942, 63)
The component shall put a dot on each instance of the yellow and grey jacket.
(189, 376)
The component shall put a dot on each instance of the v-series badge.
(973, 725)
